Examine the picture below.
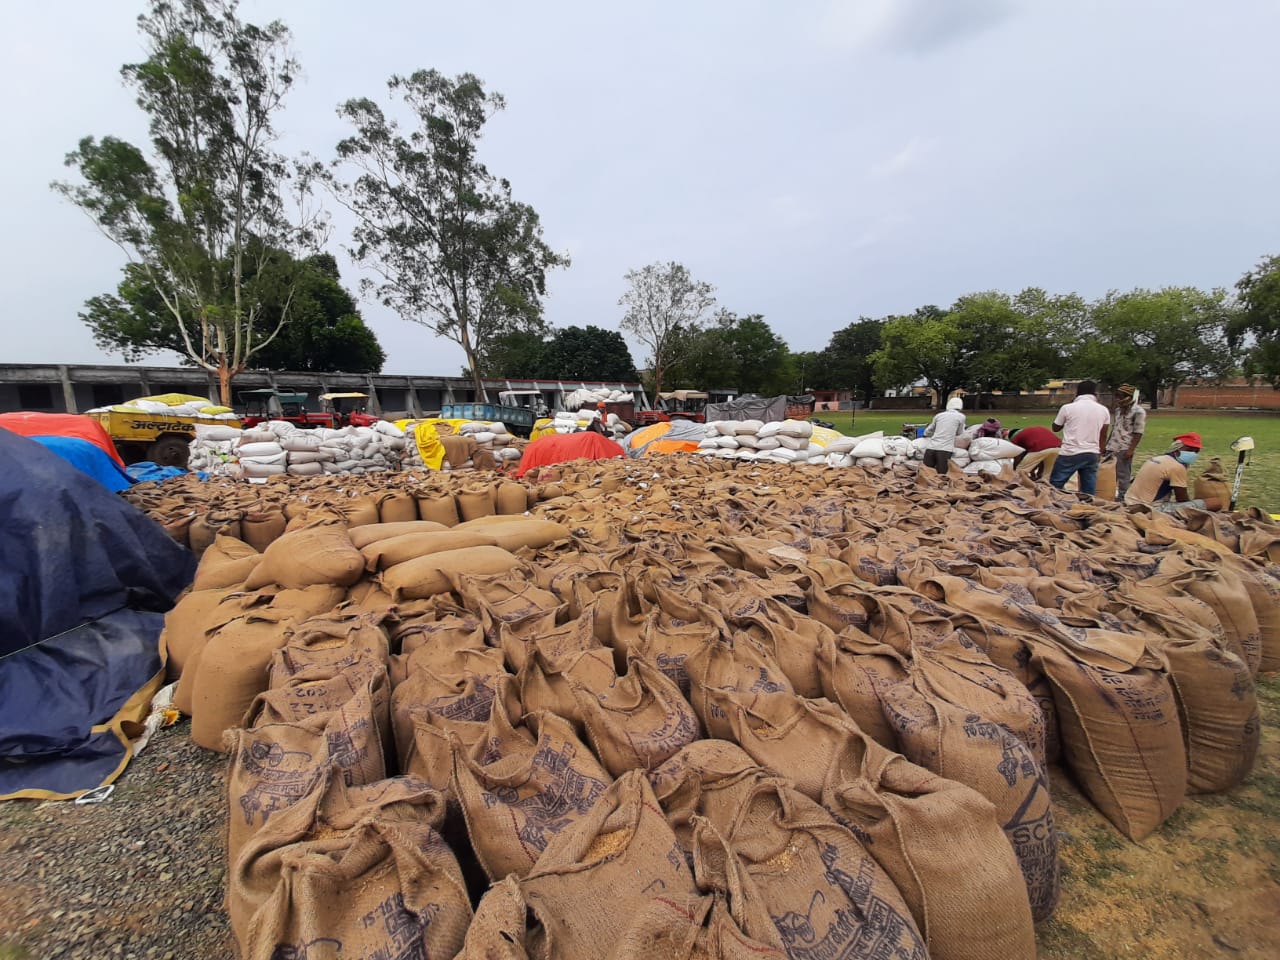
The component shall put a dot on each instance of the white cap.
(955, 403)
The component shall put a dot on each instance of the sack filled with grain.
(360, 870)
(521, 786)
(361, 537)
(1120, 730)
(511, 533)
(345, 637)
(304, 558)
(942, 845)
(594, 877)
(427, 576)
(261, 528)
(228, 562)
(186, 629)
(397, 506)
(964, 746)
(382, 554)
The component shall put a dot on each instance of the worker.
(1033, 440)
(1162, 481)
(942, 432)
(1128, 421)
(1083, 424)
(988, 428)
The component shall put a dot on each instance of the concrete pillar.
(68, 391)
(411, 394)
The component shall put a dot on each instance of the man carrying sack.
(1128, 422)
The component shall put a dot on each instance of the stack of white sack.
(174, 405)
(585, 396)
(987, 455)
(278, 447)
(798, 441)
(493, 437)
(213, 450)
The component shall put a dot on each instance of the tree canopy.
(324, 331)
(574, 353)
(198, 214)
(1256, 327)
(663, 307)
(734, 351)
(451, 248)
(846, 363)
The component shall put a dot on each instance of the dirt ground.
(141, 875)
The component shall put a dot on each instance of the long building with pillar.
(75, 388)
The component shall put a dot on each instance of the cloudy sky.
(815, 160)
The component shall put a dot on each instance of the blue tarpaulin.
(85, 579)
(87, 458)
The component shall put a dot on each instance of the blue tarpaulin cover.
(85, 579)
(87, 458)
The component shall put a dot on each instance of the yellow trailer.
(158, 437)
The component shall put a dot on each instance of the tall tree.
(1160, 339)
(1257, 325)
(925, 346)
(663, 304)
(588, 353)
(846, 362)
(452, 249)
(324, 331)
(193, 217)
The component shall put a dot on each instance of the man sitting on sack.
(1162, 481)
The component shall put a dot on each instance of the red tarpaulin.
(560, 447)
(61, 425)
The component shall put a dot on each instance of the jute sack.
(437, 507)
(383, 554)
(322, 689)
(304, 558)
(545, 684)
(512, 498)
(361, 537)
(519, 639)
(595, 876)
(792, 638)
(1106, 483)
(1264, 594)
(663, 641)
(474, 502)
(788, 735)
(500, 599)
(359, 870)
(261, 528)
(358, 511)
(970, 749)
(683, 782)
(397, 506)
(941, 844)
(639, 721)
(825, 892)
(1218, 706)
(227, 563)
(186, 627)
(273, 765)
(522, 786)
(204, 529)
(505, 927)
(458, 724)
(346, 637)
(695, 928)
(1228, 597)
(855, 670)
(515, 532)
(453, 683)
(234, 664)
(1120, 731)
(427, 576)
(740, 667)
(436, 638)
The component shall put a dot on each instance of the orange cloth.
(26, 424)
(561, 447)
(671, 446)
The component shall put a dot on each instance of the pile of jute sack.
(277, 448)
(799, 441)
(479, 444)
(692, 707)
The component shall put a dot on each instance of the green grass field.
(1261, 484)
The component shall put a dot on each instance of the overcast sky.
(815, 161)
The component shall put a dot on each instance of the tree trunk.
(225, 376)
(657, 382)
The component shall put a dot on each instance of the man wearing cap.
(942, 432)
(1128, 421)
(1083, 424)
(1162, 481)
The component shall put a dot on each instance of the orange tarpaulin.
(671, 446)
(562, 447)
(61, 425)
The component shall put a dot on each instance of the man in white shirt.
(942, 432)
(1083, 424)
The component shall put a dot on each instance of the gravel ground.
(140, 875)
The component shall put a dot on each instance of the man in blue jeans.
(1083, 424)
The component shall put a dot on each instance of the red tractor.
(340, 409)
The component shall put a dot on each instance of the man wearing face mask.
(1162, 481)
